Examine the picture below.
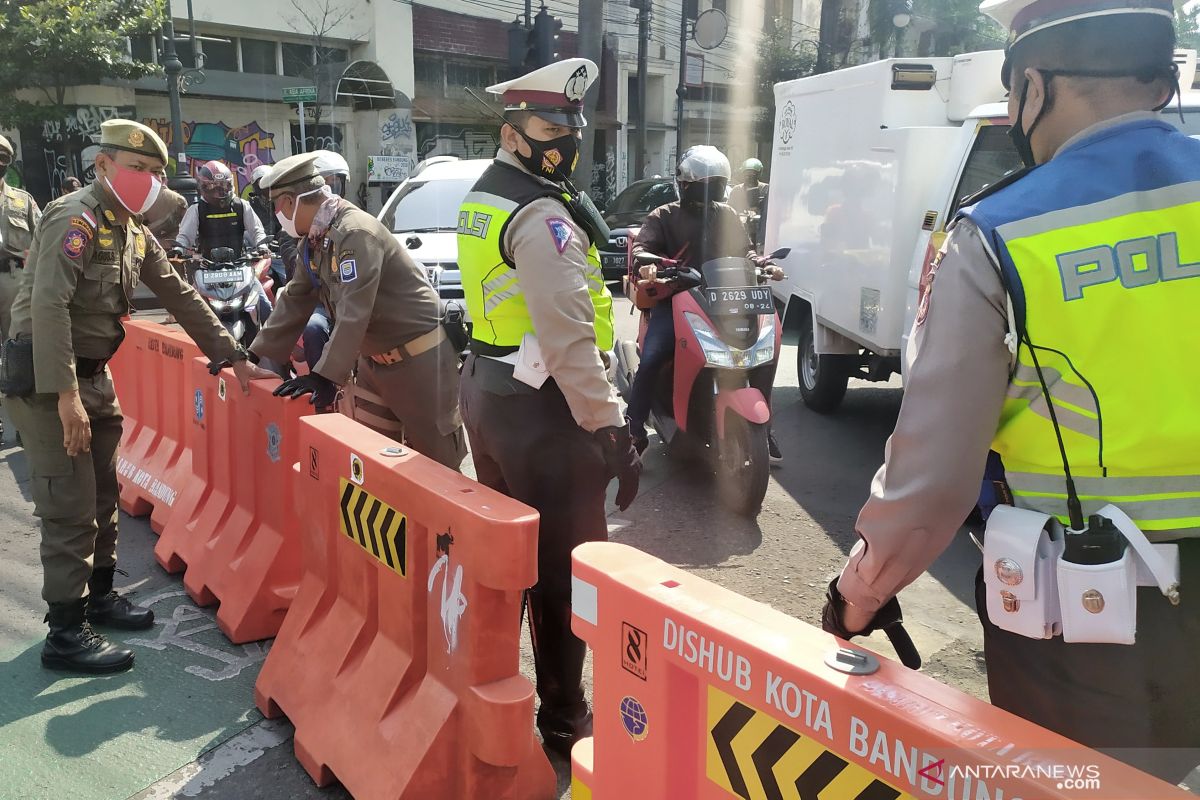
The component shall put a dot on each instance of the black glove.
(323, 391)
(888, 619)
(622, 461)
(215, 367)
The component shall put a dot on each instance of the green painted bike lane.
(109, 737)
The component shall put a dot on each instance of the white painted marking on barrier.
(192, 779)
(585, 600)
(454, 602)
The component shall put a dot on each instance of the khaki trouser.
(415, 401)
(10, 282)
(76, 498)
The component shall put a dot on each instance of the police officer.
(387, 323)
(87, 254)
(1080, 271)
(219, 218)
(543, 419)
(19, 214)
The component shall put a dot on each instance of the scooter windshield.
(728, 273)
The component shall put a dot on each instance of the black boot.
(106, 607)
(563, 717)
(72, 645)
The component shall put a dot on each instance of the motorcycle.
(726, 334)
(235, 288)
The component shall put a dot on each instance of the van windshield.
(427, 206)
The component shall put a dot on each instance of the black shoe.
(561, 731)
(72, 645)
(106, 607)
(773, 449)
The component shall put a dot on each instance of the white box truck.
(868, 166)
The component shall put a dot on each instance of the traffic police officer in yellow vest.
(19, 214)
(1059, 331)
(87, 254)
(543, 419)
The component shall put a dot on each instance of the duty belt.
(491, 350)
(89, 367)
(411, 349)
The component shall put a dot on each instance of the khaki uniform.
(19, 215)
(83, 266)
(379, 302)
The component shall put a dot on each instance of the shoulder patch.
(83, 225)
(18, 201)
(74, 242)
(348, 270)
(925, 290)
(561, 232)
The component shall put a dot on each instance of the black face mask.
(554, 160)
(699, 194)
(1020, 137)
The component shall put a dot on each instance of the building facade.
(392, 80)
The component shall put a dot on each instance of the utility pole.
(681, 89)
(644, 7)
(173, 67)
(591, 46)
(528, 13)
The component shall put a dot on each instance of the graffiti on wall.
(318, 137)
(455, 140)
(242, 148)
(65, 147)
(604, 178)
(396, 133)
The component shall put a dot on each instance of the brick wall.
(438, 31)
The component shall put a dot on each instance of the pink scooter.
(727, 338)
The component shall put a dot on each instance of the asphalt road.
(182, 723)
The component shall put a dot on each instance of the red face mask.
(135, 190)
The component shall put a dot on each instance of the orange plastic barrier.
(237, 530)
(150, 373)
(701, 693)
(398, 661)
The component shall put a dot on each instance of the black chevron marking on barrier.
(399, 543)
(722, 733)
(820, 774)
(878, 790)
(347, 496)
(370, 525)
(767, 756)
(385, 534)
(358, 529)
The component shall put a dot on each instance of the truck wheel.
(743, 466)
(823, 378)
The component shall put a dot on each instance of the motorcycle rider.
(749, 195)
(696, 228)
(219, 218)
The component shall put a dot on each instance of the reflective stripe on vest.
(490, 286)
(1100, 263)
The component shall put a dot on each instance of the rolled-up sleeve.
(954, 390)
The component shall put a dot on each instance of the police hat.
(554, 92)
(298, 173)
(1024, 17)
(6, 147)
(132, 137)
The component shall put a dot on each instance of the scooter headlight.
(764, 349)
(716, 352)
(218, 305)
